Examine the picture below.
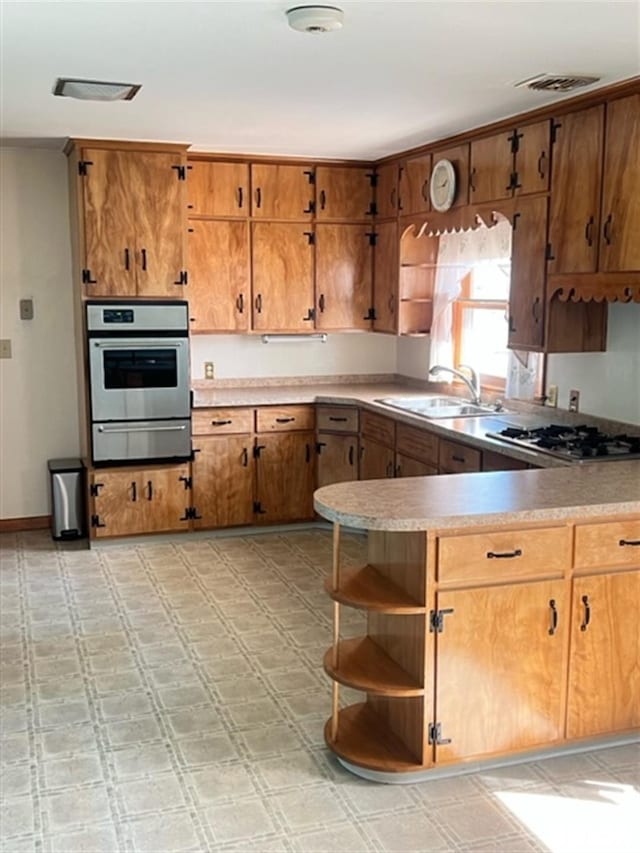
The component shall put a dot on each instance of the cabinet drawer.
(507, 554)
(608, 544)
(378, 427)
(417, 443)
(284, 418)
(337, 418)
(454, 458)
(221, 421)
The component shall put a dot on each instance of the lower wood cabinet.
(129, 501)
(285, 477)
(223, 480)
(337, 458)
(376, 460)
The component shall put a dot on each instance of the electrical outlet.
(26, 309)
(208, 370)
(552, 396)
(5, 348)
(574, 401)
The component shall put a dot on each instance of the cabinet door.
(408, 467)
(219, 277)
(285, 476)
(458, 156)
(456, 458)
(387, 191)
(604, 688)
(532, 158)
(415, 175)
(218, 189)
(337, 458)
(282, 277)
(223, 480)
(517, 698)
(385, 278)
(164, 496)
(575, 191)
(344, 276)
(116, 508)
(344, 193)
(491, 168)
(620, 235)
(282, 192)
(109, 229)
(376, 460)
(161, 225)
(526, 294)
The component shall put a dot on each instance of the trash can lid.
(69, 464)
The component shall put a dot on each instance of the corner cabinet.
(130, 212)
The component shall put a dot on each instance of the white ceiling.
(232, 76)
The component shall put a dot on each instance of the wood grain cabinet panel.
(612, 543)
(218, 189)
(219, 276)
(337, 458)
(604, 688)
(532, 158)
(408, 467)
(417, 443)
(282, 277)
(285, 476)
(285, 418)
(527, 290)
(344, 276)
(282, 192)
(216, 421)
(378, 427)
(337, 418)
(415, 176)
(456, 458)
(387, 178)
(386, 278)
(492, 461)
(344, 193)
(223, 480)
(491, 168)
(377, 462)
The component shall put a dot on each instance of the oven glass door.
(139, 378)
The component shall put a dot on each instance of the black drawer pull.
(632, 542)
(134, 491)
(149, 490)
(221, 423)
(351, 454)
(240, 197)
(144, 259)
(284, 420)
(245, 457)
(587, 613)
(240, 303)
(458, 458)
(126, 259)
(338, 420)
(554, 617)
(504, 555)
(258, 197)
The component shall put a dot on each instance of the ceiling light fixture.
(315, 19)
(95, 90)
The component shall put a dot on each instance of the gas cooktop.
(574, 443)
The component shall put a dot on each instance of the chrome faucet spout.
(473, 384)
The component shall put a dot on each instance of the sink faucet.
(472, 384)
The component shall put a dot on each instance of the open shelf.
(363, 665)
(367, 589)
(366, 740)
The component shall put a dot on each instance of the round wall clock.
(442, 188)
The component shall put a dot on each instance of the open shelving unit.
(417, 273)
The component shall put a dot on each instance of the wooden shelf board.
(364, 739)
(409, 299)
(367, 589)
(363, 665)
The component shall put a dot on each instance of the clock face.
(443, 185)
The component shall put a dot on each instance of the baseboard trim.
(33, 522)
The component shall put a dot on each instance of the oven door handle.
(139, 343)
(143, 429)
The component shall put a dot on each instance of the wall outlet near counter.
(5, 348)
(208, 370)
(574, 400)
(552, 396)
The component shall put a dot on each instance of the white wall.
(38, 394)
(413, 356)
(609, 382)
(242, 356)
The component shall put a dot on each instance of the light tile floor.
(169, 696)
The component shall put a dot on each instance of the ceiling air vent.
(95, 90)
(557, 82)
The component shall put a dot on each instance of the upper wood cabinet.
(219, 276)
(385, 278)
(282, 192)
(415, 176)
(387, 178)
(133, 223)
(218, 189)
(344, 276)
(344, 193)
(282, 256)
(526, 294)
(458, 156)
(511, 163)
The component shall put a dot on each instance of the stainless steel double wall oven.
(138, 355)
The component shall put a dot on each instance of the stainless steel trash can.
(68, 516)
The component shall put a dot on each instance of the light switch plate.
(26, 309)
(5, 348)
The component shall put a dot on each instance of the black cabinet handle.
(126, 259)
(323, 199)
(606, 231)
(321, 303)
(338, 420)
(504, 555)
(587, 613)
(588, 231)
(542, 172)
(307, 452)
(258, 197)
(392, 303)
(425, 191)
(149, 490)
(144, 259)
(458, 458)
(134, 492)
(554, 617)
(390, 469)
(351, 455)
(240, 304)
(472, 175)
(392, 198)
(631, 542)
(245, 457)
(535, 309)
(240, 197)
(221, 422)
(284, 420)
(258, 303)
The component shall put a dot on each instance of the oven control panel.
(117, 315)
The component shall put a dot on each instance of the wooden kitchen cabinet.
(337, 458)
(416, 281)
(282, 260)
(344, 193)
(492, 461)
(511, 163)
(385, 278)
(416, 451)
(132, 222)
(377, 462)
(387, 177)
(282, 192)
(415, 177)
(527, 290)
(285, 477)
(457, 458)
(344, 276)
(126, 502)
(216, 188)
(223, 480)
(219, 276)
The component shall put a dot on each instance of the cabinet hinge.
(86, 277)
(94, 490)
(373, 179)
(190, 512)
(257, 508)
(95, 521)
(373, 238)
(257, 449)
(82, 166)
(311, 237)
(516, 216)
(186, 481)
(181, 171)
(183, 278)
(555, 127)
(435, 734)
(549, 256)
(514, 139)
(311, 176)
(436, 619)
(373, 209)
(371, 314)
(319, 446)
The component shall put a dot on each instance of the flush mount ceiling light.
(556, 82)
(95, 90)
(315, 19)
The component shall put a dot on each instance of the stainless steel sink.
(435, 408)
